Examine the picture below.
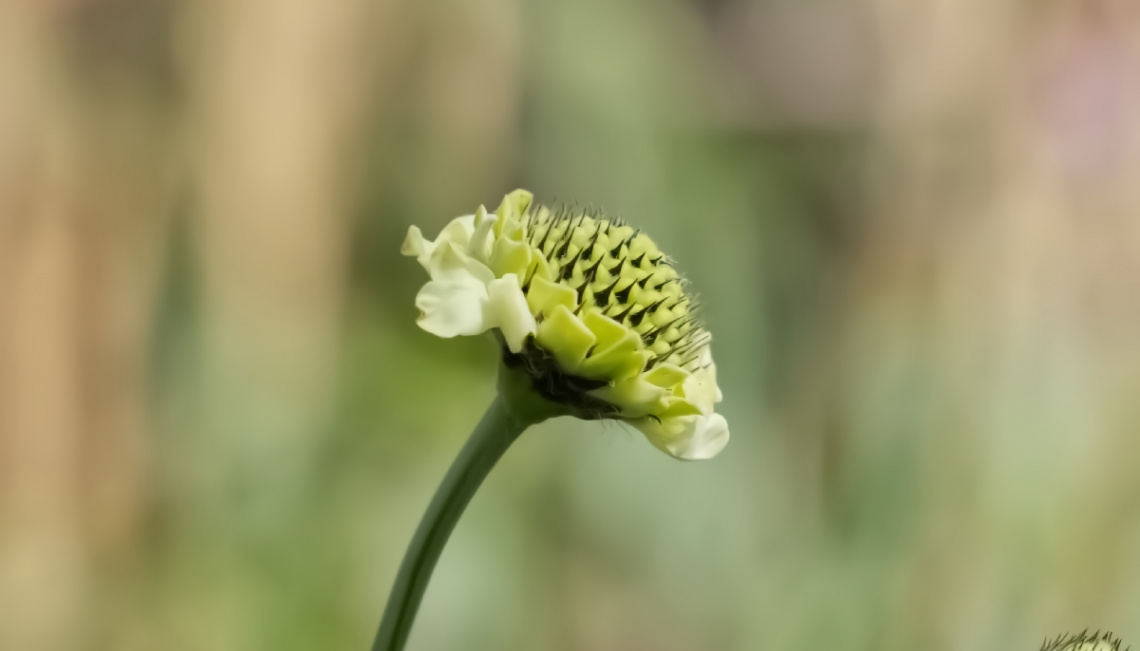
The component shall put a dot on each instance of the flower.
(588, 307)
(1084, 641)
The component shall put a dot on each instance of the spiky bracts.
(1084, 641)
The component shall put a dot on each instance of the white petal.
(708, 436)
(458, 231)
(416, 245)
(507, 309)
(484, 236)
(687, 437)
(453, 307)
(450, 262)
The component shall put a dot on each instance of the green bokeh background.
(910, 227)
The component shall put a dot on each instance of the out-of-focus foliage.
(914, 226)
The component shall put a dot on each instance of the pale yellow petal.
(544, 295)
(700, 389)
(509, 312)
(563, 335)
(666, 375)
(635, 396)
(509, 257)
(515, 204)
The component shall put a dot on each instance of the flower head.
(587, 307)
(1084, 641)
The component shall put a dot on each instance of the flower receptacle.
(522, 400)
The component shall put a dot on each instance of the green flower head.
(1084, 641)
(588, 307)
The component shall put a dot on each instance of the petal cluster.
(588, 306)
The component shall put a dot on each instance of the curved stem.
(495, 433)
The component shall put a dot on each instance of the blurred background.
(914, 225)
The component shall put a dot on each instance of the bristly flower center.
(621, 273)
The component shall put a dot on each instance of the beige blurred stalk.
(273, 116)
(84, 192)
(93, 153)
(269, 128)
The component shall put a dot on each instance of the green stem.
(507, 417)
